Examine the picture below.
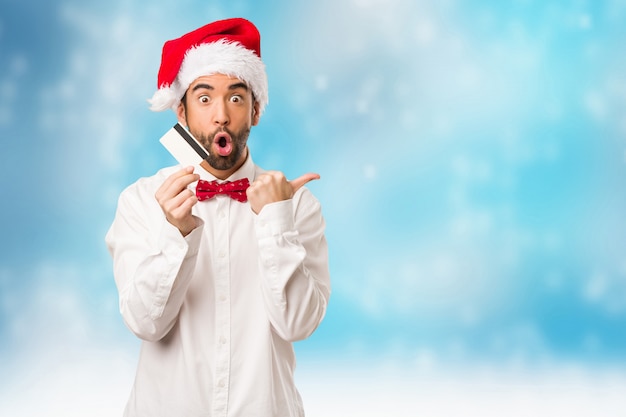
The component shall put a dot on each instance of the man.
(218, 287)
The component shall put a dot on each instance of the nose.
(220, 114)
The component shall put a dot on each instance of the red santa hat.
(231, 47)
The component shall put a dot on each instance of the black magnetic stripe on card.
(191, 141)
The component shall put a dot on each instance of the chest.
(227, 267)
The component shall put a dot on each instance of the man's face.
(219, 111)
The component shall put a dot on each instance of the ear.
(256, 114)
(181, 114)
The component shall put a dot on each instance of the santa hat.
(231, 47)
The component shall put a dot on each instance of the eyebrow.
(231, 87)
(238, 85)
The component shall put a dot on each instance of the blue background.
(472, 157)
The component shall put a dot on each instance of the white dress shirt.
(218, 310)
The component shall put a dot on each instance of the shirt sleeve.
(294, 264)
(152, 263)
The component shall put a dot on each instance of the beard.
(219, 162)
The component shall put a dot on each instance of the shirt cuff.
(172, 241)
(275, 219)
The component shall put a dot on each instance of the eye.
(204, 99)
(236, 99)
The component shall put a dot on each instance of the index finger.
(176, 177)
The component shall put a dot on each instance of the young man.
(218, 286)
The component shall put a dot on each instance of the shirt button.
(222, 340)
(221, 384)
(221, 254)
(222, 215)
(222, 298)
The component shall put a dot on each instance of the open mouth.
(223, 143)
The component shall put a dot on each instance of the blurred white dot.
(67, 90)
(425, 359)
(595, 288)
(585, 21)
(592, 343)
(19, 65)
(551, 241)
(47, 120)
(468, 77)
(6, 117)
(321, 82)
(551, 151)
(424, 32)
(596, 105)
(362, 106)
(553, 110)
(554, 281)
(370, 172)
(8, 91)
(457, 349)
(469, 316)
(79, 63)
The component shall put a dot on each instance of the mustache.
(222, 130)
(206, 139)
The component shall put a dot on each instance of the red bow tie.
(234, 189)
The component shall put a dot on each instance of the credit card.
(183, 146)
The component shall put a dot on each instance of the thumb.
(300, 181)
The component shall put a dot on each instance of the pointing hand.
(273, 186)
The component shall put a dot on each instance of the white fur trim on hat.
(221, 57)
